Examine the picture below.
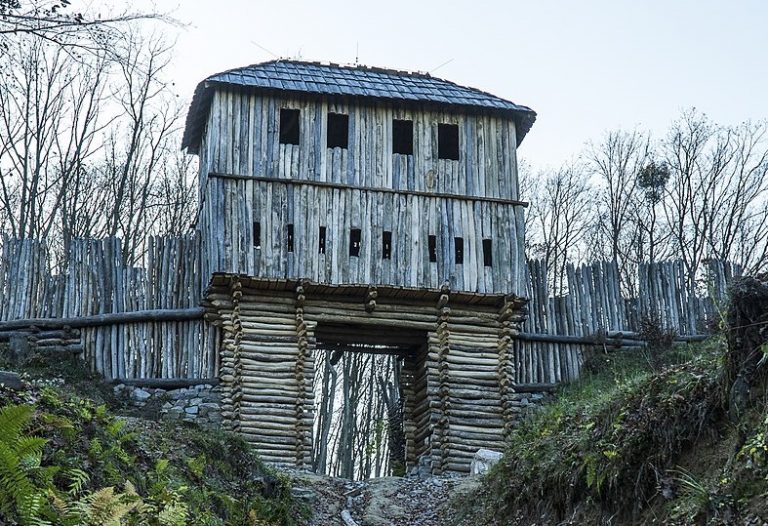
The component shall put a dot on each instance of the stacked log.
(506, 369)
(231, 364)
(418, 424)
(275, 376)
(477, 416)
(65, 340)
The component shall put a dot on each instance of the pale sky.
(585, 66)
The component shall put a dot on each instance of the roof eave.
(199, 108)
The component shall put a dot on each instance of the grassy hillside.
(67, 459)
(635, 445)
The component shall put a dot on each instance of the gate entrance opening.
(364, 396)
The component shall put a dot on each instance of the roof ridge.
(349, 66)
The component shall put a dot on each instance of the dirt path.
(390, 501)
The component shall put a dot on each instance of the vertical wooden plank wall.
(231, 245)
(240, 142)
(241, 139)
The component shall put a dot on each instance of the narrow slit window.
(448, 141)
(487, 253)
(402, 136)
(321, 245)
(432, 249)
(354, 242)
(458, 250)
(289, 238)
(338, 130)
(386, 239)
(256, 234)
(289, 126)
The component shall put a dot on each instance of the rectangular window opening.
(448, 141)
(458, 250)
(321, 246)
(433, 249)
(387, 245)
(289, 238)
(289, 126)
(338, 130)
(256, 234)
(402, 136)
(487, 253)
(354, 242)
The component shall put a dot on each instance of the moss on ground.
(631, 444)
(94, 467)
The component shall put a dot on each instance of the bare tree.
(652, 237)
(89, 146)
(615, 162)
(715, 202)
(560, 215)
(49, 123)
(75, 31)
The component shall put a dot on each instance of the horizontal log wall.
(452, 386)
(93, 281)
(235, 204)
(242, 137)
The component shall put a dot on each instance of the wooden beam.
(98, 320)
(323, 184)
(165, 383)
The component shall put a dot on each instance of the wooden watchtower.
(361, 205)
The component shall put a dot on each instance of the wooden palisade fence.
(93, 281)
(595, 309)
(119, 314)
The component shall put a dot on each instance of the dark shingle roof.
(351, 81)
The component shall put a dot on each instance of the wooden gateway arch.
(377, 204)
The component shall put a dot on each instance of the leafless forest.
(90, 147)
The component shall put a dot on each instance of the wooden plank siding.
(241, 138)
(250, 177)
(235, 204)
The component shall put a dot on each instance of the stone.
(196, 401)
(304, 494)
(483, 460)
(11, 380)
(192, 410)
(210, 406)
(140, 395)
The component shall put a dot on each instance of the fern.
(173, 514)
(22, 498)
(13, 420)
(77, 480)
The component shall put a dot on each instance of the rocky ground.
(388, 501)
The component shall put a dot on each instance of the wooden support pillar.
(231, 373)
(370, 299)
(299, 370)
(511, 317)
(443, 421)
